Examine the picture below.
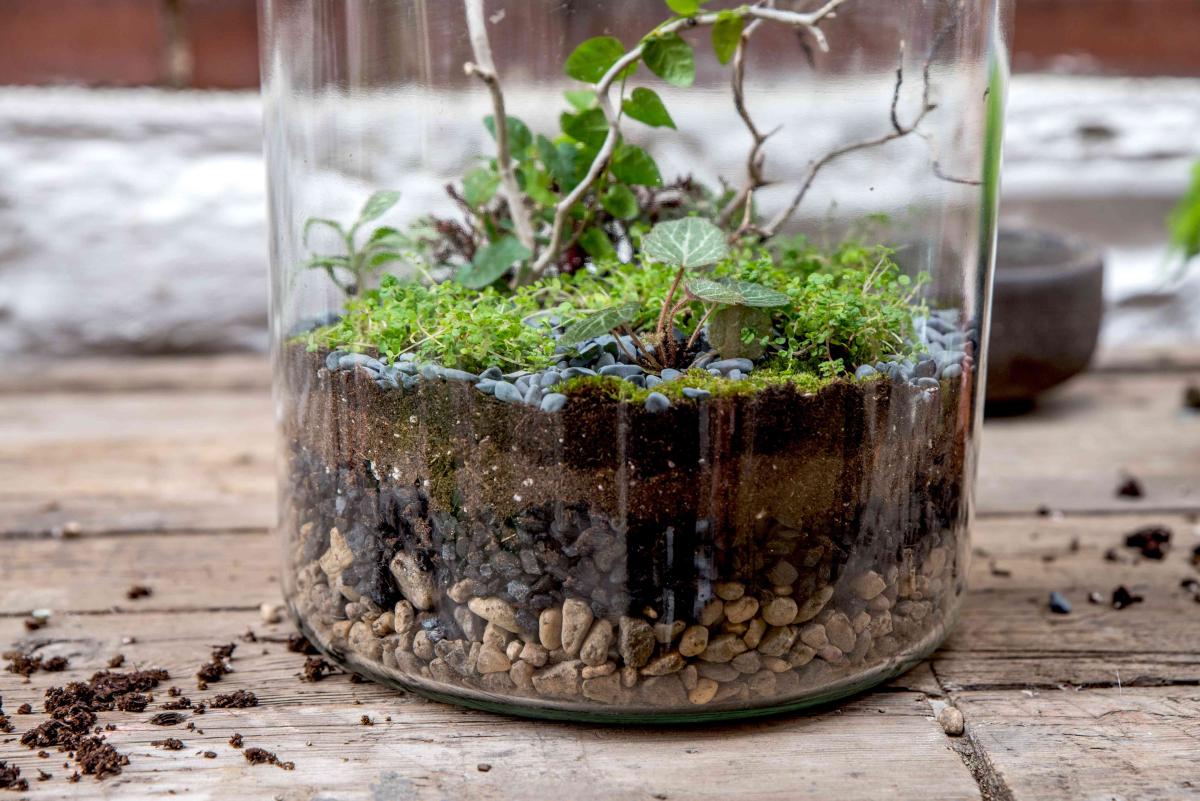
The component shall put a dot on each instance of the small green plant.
(350, 269)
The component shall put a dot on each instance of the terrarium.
(629, 354)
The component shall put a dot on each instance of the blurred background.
(132, 203)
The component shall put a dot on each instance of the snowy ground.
(134, 221)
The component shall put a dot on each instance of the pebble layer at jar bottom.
(718, 554)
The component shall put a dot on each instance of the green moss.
(848, 306)
(618, 389)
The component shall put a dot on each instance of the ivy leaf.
(599, 323)
(690, 242)
(632, 165)
(580, 99)
(589, 127)
(536, 184)
(760, 297)
(671, 58)
(711, 291)
(685, 8)
(313, 222)
(480, 186)
(726, 33)
(596, 244)
(594, 57)
(644, 105)
(619, 201)
(519, 136)
(492, 262)
(377, 205)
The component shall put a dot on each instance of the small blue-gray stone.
(927, 383)
(926, 367)
(333, 359)
(430, 371)
(532, 395)
(622, 370)
(702, 361)
(1059, 604)
(508, 392)
(487, 386)
(725, 365)
(653, 381)
(522, 385)
(695, 393)
(735, 375)
(553, 402)
(407, 368)
(605, 360)
(352, 360)
(671, 374)
(866, 371)
(458, 375)
(657, 402)
(636, 380)
(952, 371)
(576, 372)
(493, 373)
(549, 379)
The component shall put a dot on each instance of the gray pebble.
(352, 360)
(333, 359)
(926, 367)
(406, 367)
(533, 395)
(714, 372)
(606, 360)
(695, 393)
(549, 379)
(953, 371)
(430, 371)
(927, 383)
(486, 386)
(553, 402)
(657, 402)
(702, 361)
(458, 375)
(575, 372)
(653, 381)
(522, 385)
(725, 365)
(671, 374)
(621, 370)
(494, 373)
(637, 380)
(508, 392)
(866, 371)
(735, 375)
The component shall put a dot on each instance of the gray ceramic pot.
(1046, 313)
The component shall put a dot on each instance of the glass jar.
(657, 401)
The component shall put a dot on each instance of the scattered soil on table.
(236, 740)
(168, 719)
(1191, 397)
(1152, 541)
(209, 755)
(316, 668)
(138, 591)
(240, 699)
(117, 661)
(1130, 487)
(299, 644)
(179, 703)
(217, 667)
(26, 665)
(1122, 598)
(261, 756)
(6, 726)
(10, 778)
(25, 709)
(169, 744)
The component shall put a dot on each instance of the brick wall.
(211, 43)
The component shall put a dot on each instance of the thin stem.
(809, 21)
(666, 307)
(484, 68)
(695, 337)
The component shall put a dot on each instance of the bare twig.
(484, 68)
(808, 21)
(898, 131)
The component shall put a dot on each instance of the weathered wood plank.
(1099, 744)
(243, 372)
(139, 460)
(883, 745)
(1070, 454)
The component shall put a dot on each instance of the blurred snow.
(133, 221)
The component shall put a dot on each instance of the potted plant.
(611, 444)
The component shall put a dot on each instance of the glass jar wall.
(628, 355)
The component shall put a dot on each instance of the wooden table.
(159, 473)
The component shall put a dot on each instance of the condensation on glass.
(726, 558)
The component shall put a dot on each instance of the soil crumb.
(261, 756)
(316, 668)
(138, 591)
(1152, 541)
(235, 700)
(1130, 487)
(169, 744)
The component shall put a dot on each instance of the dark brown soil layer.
(788, 494)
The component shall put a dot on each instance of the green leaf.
(384, 257)
(1184, 222)
(759, 296)
(480, 186)
(599, 323)
(589, 127)
(326, 262)
(563, 162)
(536, 184)
(580, 99)
(377, 205)
(593, 58)
(313, 222)
(519, 136)
(711, 291)
(670, 58)
(632, 165)
(690, 242)
(726, 33)
(619, 201)
(597, 244)
(685, 8)
(644, 105)
(492, 262)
